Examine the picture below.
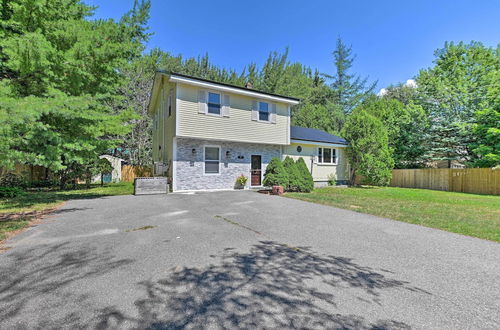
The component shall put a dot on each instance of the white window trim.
(221, 102)
(334, 159)
(269, 106)
(204, 160)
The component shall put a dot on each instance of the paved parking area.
(242, 260)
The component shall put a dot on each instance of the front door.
(256, 170)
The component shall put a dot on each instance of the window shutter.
(202, 102)
(255, 111)
(225, 105)
(273, 113)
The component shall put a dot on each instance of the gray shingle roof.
(314, 135)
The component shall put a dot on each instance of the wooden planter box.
(150, 186)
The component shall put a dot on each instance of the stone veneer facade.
(189, 167)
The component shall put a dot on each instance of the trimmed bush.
(275, 174)
(11, 192)
(306, 183)
(293, 174)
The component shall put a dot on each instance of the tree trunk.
(102, 179)
(62, 180)
(88, 178)
(352, 175)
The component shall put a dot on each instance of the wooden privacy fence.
(469, 180)
(28, 172)
(130, 172)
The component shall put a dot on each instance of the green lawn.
(468, 214)
(15, 213)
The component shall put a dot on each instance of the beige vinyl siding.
(238, 127)
(320, 171)
(164, 130)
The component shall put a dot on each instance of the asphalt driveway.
(242, 260)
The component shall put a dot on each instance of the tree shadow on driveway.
(271, 286)
(42, 273)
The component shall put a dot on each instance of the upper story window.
(264, 111)
(327, 156)
(214, 103)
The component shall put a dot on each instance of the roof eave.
(177, 78)
(333, 144)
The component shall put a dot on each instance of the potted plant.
(241, 182)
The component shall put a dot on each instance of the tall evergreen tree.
(348, 89)
(61, 81)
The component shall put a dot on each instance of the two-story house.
(206, 134)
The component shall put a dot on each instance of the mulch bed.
(264, 191)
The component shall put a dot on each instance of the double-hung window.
(212, 160)
(264, 111)
(327, 156)
(214, 103)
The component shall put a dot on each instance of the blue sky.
(393, 40)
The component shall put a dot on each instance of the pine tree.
(294, 179)
(349, 90)
(275, 174)
(306, 180)
(62, 75)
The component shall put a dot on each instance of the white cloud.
(411, 83)
(382, 92)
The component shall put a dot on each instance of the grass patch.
(41, 200)
(140, 228)
(467, 214)
(17, 213)
(11, 225)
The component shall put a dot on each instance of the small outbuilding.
(115, 175)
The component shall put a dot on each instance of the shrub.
(275, 174)
(241, 180)
(12, 180)
(43, 183)
(306, 183)
(332, 179)
(293, 174)
(11, 192)
(368, 151)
